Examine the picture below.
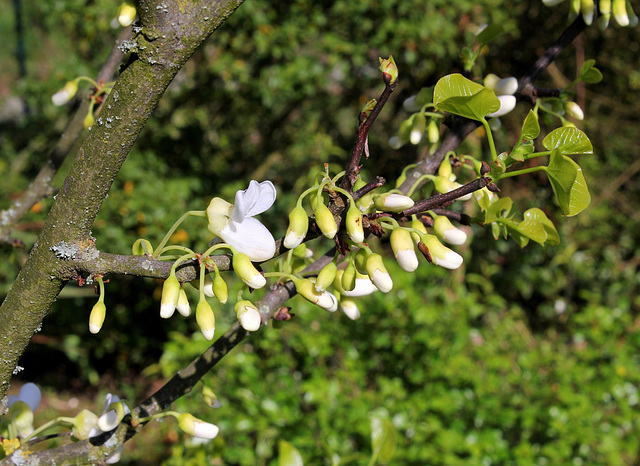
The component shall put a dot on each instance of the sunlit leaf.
(458, 95)
(530, 127)
(568, 141)
(568, 183)
(537, 215)
(288, 455)
(383, 439)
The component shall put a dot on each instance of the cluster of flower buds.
(504, 89)
(621, 9)
(70, 89)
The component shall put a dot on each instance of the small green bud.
(219, 287)
(389, 70)
(418, 225)
(183, 304)
(325, 220)
(210, 398)
(354, 224)
(170, 295)
(298, 226)
(445, 170)
(367, 109)
(88, 120)
(126, 13)
(326, 276)
(248, 315)
(96, 318)
(349, 277)
(206, 319)
(194, 426)
(142, 247)
(247, 272)
(378, 273)
(433, 132)
(403, 249)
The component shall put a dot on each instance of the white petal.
(507, 103)
(407, 260)
(250, 319)
(455, 236)
(114, 457)
(254, 200)
(452, 260)
(30, 394)
(350, 309)
(251, 238)
(507, 86)
(108, 421)
(382, 281)
(363, 287)
(204, 430)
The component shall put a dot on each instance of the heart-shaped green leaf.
(530, 127)
(568, 183)
(568, 141)
(458, 95)
(537, 215)
(498, 209)
(589, 73)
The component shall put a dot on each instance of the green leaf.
(458, 95)
(522, 151)
(288, 455)
(383, 439)
(498, 209)
(568, 183)
(589, 73)
(568, 141)
(489, 33)
(537, 215)
(530, 127)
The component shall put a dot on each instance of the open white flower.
(237, 227)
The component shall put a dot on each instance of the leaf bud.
(248, 315)
(247, 272)
(96, 318)
(298, 226)
(367, 109)
(389, 70)
(205, 319)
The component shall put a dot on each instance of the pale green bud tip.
(574, 110)
(126, 14)
(247, 272)
(507, 103)
(491, 80)
(220, 289)
(448, 232)
(354, 224)
(96, 318)
(248, 315)
(83, 423)
(183, 304)
(170, 295)
(194, 426)
(393, 202)
(206, 319)
(65, 94)
(326, 222)
(298, 225)
(350, 308)
(389, 70)
(403, 249)
(326, 277)
(619, 9)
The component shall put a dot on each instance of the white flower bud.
(574, 110)
(403, 249)
(448, 232)
(350, 308)
(378, 273)
(507, 103)
(194, 426)
(506, 86)
(183, 304)
(247, 272)
(96, 318)
(298, 226)
(248, 315)
(206, 319)
(390, 202)
(170, 295)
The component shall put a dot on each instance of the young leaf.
(288, 455)
(537, 215)
(458, 95)
(568, 184)
(530, 127)
(568, 141)
(498, 209)
(589, 73)
(383, 439)
(489, 33)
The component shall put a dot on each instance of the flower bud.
(110, 419)
(395, 142)
(354, 224)
(574, 110)
(445, 170)
(433, 132)
(298, 226)
(444, 185)
(491, 80)
(206, 319)
(126, 13)
(417, 225)
(307, 290)
(170, 295)
(84, 421)
(207, 288)
(619, 10)
(88, 120)
(96, 318)
(194, 426)
(210, 398)
(417, 128)
(219, 287)
(65, 94)
(403, 249)
(142, 247)
(390, 202)
(247, 272)
(587, 8)
(326, 276)
(183, 304)
(445, 230)
(389, 70)
(325, 220)
(378, 273)
(507, 103)
(440, 254)
(348, 280)
(22, 416)
(350, 308)
(248, 315)
(506, 86)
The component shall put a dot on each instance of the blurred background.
(527, 356)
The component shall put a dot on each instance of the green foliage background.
(527, 356)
